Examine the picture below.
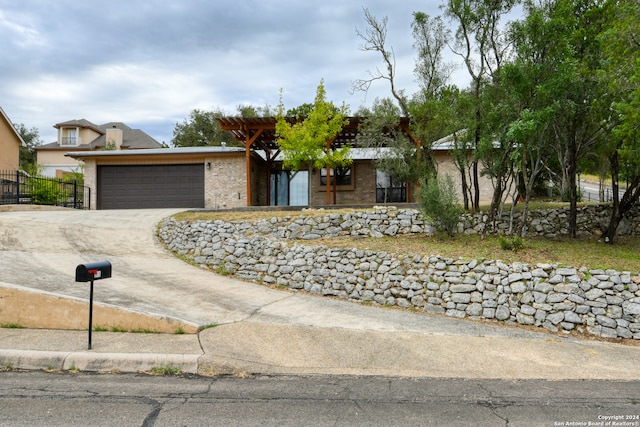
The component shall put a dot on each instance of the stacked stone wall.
(605, 303)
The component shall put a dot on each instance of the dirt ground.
(39, 310)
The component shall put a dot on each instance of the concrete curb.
(97, 362)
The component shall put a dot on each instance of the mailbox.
(93, 271)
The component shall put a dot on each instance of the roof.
(79, 123)
(157, 151)
(131, 138)
(13, 129)
(261, 131)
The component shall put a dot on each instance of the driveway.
(275, 331)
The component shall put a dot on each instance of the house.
(82, 135)
(10, 143)
(231, 177)
(189, 177)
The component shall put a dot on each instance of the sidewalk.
(111, 351)
(245, 348)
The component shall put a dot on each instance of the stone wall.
(558, 298)
(592, 220)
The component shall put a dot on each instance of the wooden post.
(247, 154)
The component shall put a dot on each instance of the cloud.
(150, 63)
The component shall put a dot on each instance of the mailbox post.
(89, 273)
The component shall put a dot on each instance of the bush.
(514, 243)
(439, 202)
(45, 191)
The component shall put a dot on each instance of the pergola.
(259, 133)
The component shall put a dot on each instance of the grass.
(590, 253)
(581, 252)
(11, 326)
(166, 370)
(207, 326)
(255, 215)
(121, 329)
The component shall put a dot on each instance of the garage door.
(151, 186)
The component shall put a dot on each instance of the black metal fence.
(18, 187)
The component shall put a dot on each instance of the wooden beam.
(247, 152)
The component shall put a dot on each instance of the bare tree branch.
(374, 38)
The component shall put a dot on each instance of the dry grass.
(590, 253)
(623, 256)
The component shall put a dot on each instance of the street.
(590, 192)
(63, 399)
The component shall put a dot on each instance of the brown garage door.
(151, 186)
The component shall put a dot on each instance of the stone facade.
(557, 298)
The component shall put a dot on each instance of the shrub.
(439, 202)
(45, 191)
(514, 243)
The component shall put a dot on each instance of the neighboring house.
(10, 143)
(82, 135)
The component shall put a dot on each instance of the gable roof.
(80, 123)
(4, 116)
(131, 138)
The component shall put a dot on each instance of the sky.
(149, 63)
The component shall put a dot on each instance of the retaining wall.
(602, 303)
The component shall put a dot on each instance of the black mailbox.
(93, 271)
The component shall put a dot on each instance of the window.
(70, 139)
(389, 190)
(289, 188)
(343, 175)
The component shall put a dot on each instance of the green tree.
(439, 202)
(201, 129)
(307, 142)
(481, 44)
(253, 111)
(380, 130)
(620, 74)
(31, 138)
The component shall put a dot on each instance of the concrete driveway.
(275, 331)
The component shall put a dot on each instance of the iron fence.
(18, 187)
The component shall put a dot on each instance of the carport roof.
(260, 132)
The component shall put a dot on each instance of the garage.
(150, 186)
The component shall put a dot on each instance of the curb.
(97, 362)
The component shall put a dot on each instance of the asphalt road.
(591, 192)
(65, 399)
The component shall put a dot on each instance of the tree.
(481, 45)
(408, 155)
(253, 111)
(620, 74)
(31, 138)
(439, 202)
(307, 142)
(379, 129)
(375, 40)
(201, 129)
